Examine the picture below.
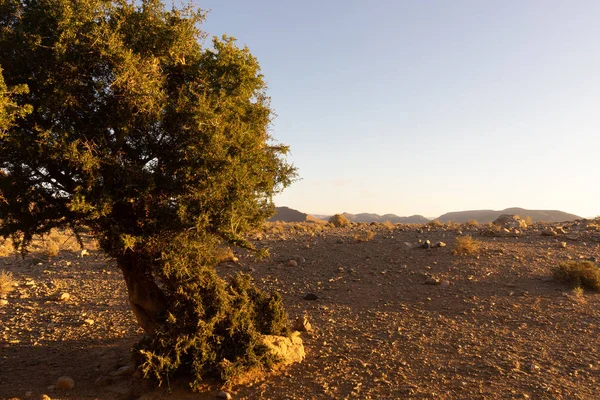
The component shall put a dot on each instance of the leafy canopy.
(118, 117)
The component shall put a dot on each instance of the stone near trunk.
(65, 383)
(302, 324)
(288, 350)
(223, 395)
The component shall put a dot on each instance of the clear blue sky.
(425, 107)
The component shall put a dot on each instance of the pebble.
(223, 395)
(549, 232)
(440, 244)
(293, 263)
(563, 245)
(103, 381)
(298, 259)
(65, 383)
(89, 321)
(45, 397)
(426, 244)
(84, 253)
(302, 324)
(445, 283)
(125, 370)
(431, 281)
(3, 302)
(310, 296)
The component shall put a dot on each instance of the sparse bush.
(528, 220)
(472, 223)
(466, 245)
(451, 225)
(579, 273)
(6, 248)
(388, 225)
(363, 236)
(435, 224)
(339, 221)
(51, 248)
(6, 283)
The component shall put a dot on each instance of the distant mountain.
(393, 218)
(286, 214)
(484, 216)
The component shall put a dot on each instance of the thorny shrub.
(579, 273)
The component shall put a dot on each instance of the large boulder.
(510, 221)
(289, 349)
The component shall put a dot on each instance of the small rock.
(65, 383)
(311, 296)
(88, 321)
(45, 397)
(563, 245)
(292, 263)
(426, 245)
(3, 302)
(104, 381)
(445, 283)
(560, 230)
(549, 232)
(572, 236)
(409, 245)
(298, 259)
(61, 296)
(440, 244)
(30, 283)
(84, 253)
(302, 324)
(431, 281)
(125, 370)
(223, 395)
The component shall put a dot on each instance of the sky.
(427, 107)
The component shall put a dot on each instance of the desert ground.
(391, 317)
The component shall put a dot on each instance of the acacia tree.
(118, 118)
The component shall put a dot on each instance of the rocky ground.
(392, 318)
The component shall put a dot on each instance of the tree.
(117, 118)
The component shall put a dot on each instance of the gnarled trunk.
(147, 300)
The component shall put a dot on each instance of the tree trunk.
(147, 300)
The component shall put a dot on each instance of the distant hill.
(286, 214)
(367, 218)
(484, 216)
(393, 218)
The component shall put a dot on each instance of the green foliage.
(579, 273)
(117, 116)
(137, 128)
(339, 220)
(213, 328)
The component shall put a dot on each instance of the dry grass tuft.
(435, 224)
(6, 283)
(6, 248)
(579, 273)
(466, 245)
(363, 236)
(388, 225)
(472, 223)
(51, 248)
